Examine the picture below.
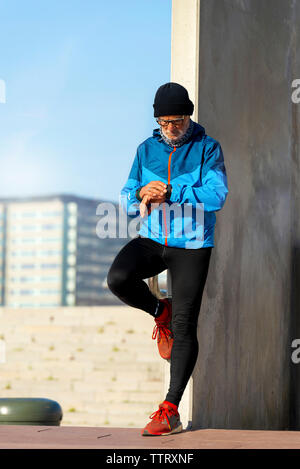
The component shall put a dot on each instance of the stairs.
(100, 363)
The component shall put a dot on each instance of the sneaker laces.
(162, 414)
(162, 329)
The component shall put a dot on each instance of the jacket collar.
(198, 130)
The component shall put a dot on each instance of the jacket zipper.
(169, 179)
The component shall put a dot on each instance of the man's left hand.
(150, 199)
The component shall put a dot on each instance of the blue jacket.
(198, 177)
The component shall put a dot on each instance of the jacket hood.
(198, 130)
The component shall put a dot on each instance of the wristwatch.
(169, 191)
(137, 194)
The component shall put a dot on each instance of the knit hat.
(172, 99)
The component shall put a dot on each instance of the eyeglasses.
(165, 123)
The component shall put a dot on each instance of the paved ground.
(15, 436)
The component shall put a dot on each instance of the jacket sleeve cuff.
(132, 196)
(175, 194)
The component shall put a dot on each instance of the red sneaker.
(162, 330)
(164, 421)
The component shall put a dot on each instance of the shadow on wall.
(294, 414)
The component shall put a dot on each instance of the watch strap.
(137, 194)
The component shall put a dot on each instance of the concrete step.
(101, 365)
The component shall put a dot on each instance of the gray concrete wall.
(249, 56)
(294, 118)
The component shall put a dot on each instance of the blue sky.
(80, 79)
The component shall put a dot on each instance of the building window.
(70, 299)
(50, 226)
(72, 220)
(72, 207)
(50, 292)
(26, 292)
(71, 259)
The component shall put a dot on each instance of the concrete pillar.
(185, 47)
(185, 70)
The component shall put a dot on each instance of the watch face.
(168, 193)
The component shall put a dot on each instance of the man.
(178, 168)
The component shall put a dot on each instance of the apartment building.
(50, 254)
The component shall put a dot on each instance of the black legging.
(143, 258)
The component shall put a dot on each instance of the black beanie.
(172, 99)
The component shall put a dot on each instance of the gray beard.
(181, 140)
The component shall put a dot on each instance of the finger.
(154, 199)
(158, 185)
(156, 192)
(161, 191)
(143, 208)
(143, 205)
(146, 198)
